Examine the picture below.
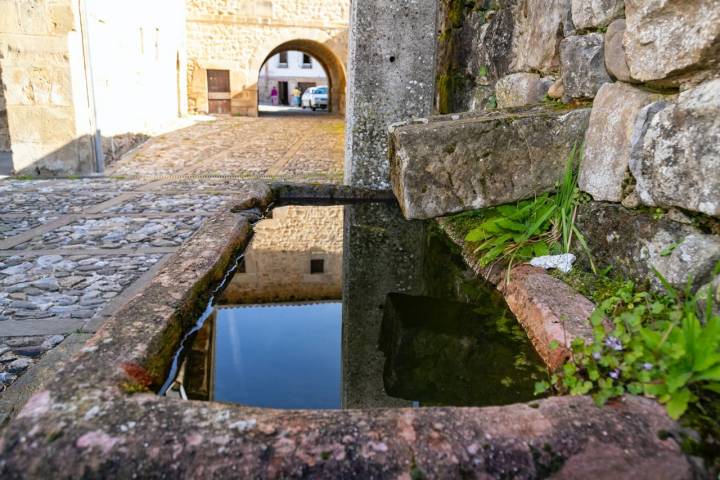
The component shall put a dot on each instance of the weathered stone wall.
(41, 60)
(650, 70)
(239, 35)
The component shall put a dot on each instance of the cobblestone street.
(306, 148)
(73, 251)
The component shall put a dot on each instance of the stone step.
(459, 162)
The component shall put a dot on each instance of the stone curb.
(548, 309)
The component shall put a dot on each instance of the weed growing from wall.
(539, 226)
(662, 345)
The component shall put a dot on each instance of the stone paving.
(294, 148)
(72, 252)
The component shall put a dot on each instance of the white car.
(315, 97)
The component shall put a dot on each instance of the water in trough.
(352, 306)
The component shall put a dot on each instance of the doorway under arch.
(286, 77)
(333, 66)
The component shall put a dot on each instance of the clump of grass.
(529, 228)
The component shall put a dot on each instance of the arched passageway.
(333, 66)
(293, 82)
(230, 85)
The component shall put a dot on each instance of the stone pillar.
(391, 78)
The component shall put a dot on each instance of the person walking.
(296, 96)
(274, 95)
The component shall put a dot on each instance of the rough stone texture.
(87, 424)
(595, 13)
(538, 27)
(693, 258)
(583, 65)
(391, 78)
(608, 140)
(69, 261)
(475, 161)
(676, 151)
(549, 311)
(149, 436)
(615, 61)
(710, 291)
(671, 43)
(521, 89)
(339, 193)
(557, 89)
(633, 242)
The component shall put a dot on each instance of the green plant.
(530, 228)
(658, 345)
(491, 103)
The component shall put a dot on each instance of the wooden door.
(218, 91)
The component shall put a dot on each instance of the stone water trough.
(100, 418)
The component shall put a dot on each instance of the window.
(282, 60)
(306, 61)
(317, 265)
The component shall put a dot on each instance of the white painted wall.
(139, 68)
(271, 73)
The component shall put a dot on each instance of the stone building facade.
(83, 78)
(81, 82)
(236, 37)
(293, 69)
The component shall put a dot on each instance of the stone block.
(538, 27)
(671, 43)
(588, 14)
(608, 139)
(633, 243)
(521, 89)
(460, 162)
(615, 61)
(675, 154)
(583, 65)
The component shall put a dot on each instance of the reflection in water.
(414, 326)
(295, 255)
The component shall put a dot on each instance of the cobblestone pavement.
(289, 147)
(73, 251)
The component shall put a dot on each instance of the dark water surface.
(354, 307)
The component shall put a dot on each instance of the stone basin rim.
(88, 415)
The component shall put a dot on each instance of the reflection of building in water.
(196, 373)
(295, 256)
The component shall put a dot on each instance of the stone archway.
(235, 44)
(334, 68)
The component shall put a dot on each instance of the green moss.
(596, 287)
(448, 84)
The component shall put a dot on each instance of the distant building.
(83, 81)
(287, 70)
